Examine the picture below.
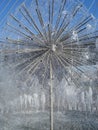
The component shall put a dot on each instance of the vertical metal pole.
(51, 97)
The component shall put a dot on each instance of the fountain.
(48, 67)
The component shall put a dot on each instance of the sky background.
(8, 6)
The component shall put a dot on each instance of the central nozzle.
(57, 48)
(54, 47)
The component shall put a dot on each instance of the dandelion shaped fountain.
(49, 67)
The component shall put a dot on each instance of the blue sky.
(7, 6)
(93, 5)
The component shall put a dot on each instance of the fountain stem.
(51, 97)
